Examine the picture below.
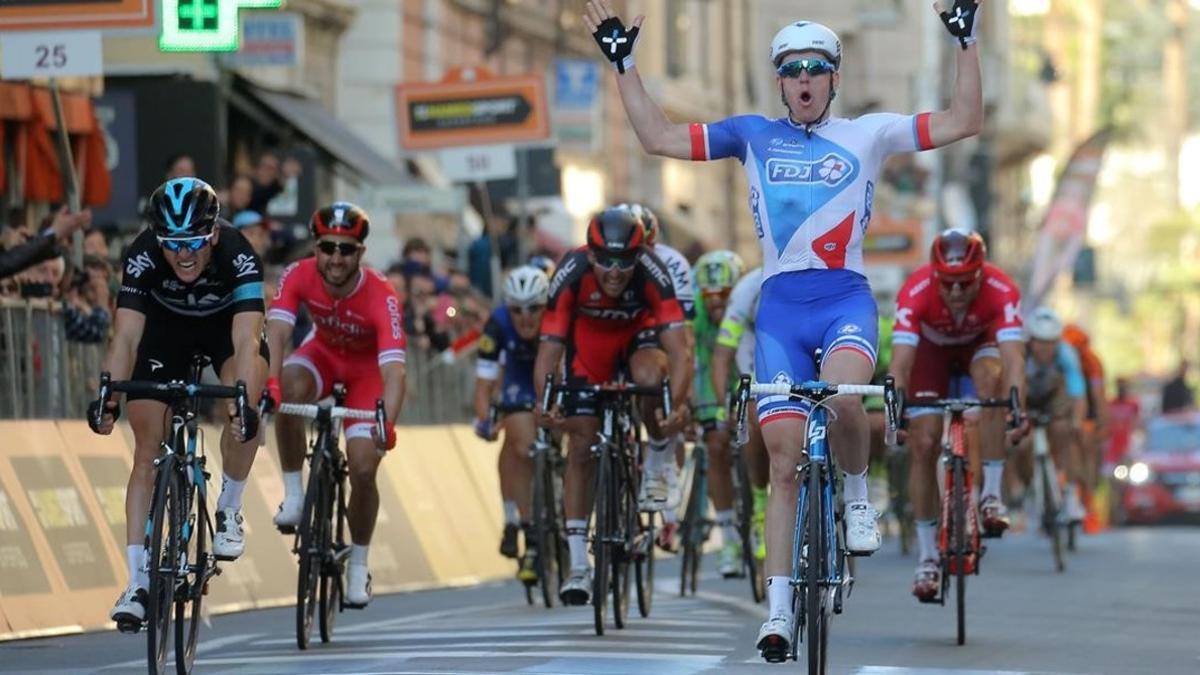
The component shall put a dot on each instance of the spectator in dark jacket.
(48, 244)
(1176, 394)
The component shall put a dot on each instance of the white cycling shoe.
(775, 639)
(674, 491)
(229, 540)
(862, 529)
(654, 492)
(358, 586)
(130, 610)
(577, 589)
(290, 511)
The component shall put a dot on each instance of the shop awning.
(328, 132)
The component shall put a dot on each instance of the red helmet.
(616, 231)
(957, 252)
(342, 219)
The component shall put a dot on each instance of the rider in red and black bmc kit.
(612, 304)
(957, 317)
(358, 340)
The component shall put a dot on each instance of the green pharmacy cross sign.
(204, 25)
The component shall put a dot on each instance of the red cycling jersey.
(600, 330)
(995, 316)
(367, 321)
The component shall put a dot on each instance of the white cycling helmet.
(805, 36)
(526, 285)
(1044, 324)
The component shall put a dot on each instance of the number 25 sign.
(51, 54)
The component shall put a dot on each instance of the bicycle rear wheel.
(163, 532)
(333, 570)
(959, 548)
(815, 574)
(312, 523)
(602, 534)
(625, 535)
(191, 596)
(692, 528)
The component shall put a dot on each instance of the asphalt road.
(1128, 603)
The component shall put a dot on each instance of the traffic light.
(204, 25)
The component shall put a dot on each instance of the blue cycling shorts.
(801, 312)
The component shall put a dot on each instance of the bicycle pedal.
(774, 649)
(224, 558)
(286, 529)
(935, 600)
(348, 605)
(860, 554)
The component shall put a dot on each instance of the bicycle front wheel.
(333, 570)
(310, 549)
(544, 528)
(744, 504)
(960, 549)
(602, 534)
(644, 564)
(1050, 511)
(163, 533)
(191, 596)
(815, 573)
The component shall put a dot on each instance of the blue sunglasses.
(177, 244)
(813, 67)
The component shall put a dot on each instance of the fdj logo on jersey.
(830, 170)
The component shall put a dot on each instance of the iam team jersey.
(681, 278)
(921, 314)
(811, 187)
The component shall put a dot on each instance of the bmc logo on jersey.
(830, 170)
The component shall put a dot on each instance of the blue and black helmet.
(183, 207)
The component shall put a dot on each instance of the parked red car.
(1160, 477)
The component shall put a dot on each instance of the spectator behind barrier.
(87, 308)
(49, 243)
(419, 323)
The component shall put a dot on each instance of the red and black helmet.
(616, 231)
(342, 219)
(957, 252)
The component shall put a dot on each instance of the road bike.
(179, 526)
(548, 523)
(819, 577)
(959, 533)
(695, 526)
(621, 535)
(320, 539)
(1047, 491)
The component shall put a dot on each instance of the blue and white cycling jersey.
(502, 348)
(811, 191)
(810, 195)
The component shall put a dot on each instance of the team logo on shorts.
(850, 329)
(781, 378)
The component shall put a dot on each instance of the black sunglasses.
(813, 67)
(346, 248)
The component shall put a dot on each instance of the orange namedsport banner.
(65, 15)
(471, 107)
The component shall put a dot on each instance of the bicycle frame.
(816, 449)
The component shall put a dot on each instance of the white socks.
(358, 554)
(293, 484)
(993, 476)
(135, 558)
(927, 539)
(779, 597)
(854, 488)
(511, 515)
(729, 533)
(577, 543)
(231, 493)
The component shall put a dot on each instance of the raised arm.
(658, 135)
(964, 118)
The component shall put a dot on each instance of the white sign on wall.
(478, 162)
(51, 54)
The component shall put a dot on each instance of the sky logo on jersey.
(831, 170)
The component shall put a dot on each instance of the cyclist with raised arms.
(956, 317)
(192, 284)
(811, 179)
(507, 350)
(715, 275)
(735, 346)
(358, 340)
(612, 304)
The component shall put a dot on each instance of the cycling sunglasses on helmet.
(177, 244)
(813, 67)
(346, 248)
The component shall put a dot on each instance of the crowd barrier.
(43, 375)
(62, 523)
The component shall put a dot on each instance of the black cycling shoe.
(508, 544)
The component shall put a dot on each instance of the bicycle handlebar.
(1013, 403)
(173, 391)
(817, 391)
(313, 411)
(609, 389)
